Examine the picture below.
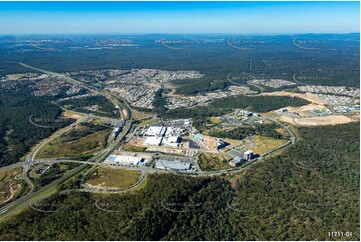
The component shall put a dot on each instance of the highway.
(12, 207)
(100, 156)
(30, 158)
(4, 211)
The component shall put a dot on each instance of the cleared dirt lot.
(308, 96)
(211, 142)
(9, 187)
(306, 108)
(68, 114)
(313, 121)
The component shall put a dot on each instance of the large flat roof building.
(123, 160)
(248, 155)
(155, 131)
(153, 140)
(172, 131)
(220, 144)
(173, 165)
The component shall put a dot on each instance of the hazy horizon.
(178, 17)
(177, 34)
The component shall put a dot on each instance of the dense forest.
(106, 108)
(336, 63)
(19, 111)
(268, 130)
(159, 101)
(305, 192)
(232, 133)
(260, 104)
(204, 85)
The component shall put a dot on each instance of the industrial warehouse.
(163, 135)
(173, 165)
(161, 163)
(125, 160)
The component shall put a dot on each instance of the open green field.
(213, 162)
(215, 120)
(80, 142)
(282, 131)
(266, 144)
(148, 121)
(140, 115)
(114, 178)
(9, 187)
(134, 148)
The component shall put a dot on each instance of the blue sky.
(178, 17)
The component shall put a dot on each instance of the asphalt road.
(100, 156)
(11, 207)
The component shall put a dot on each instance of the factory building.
(283, 110)
(115, 133)
(173, 165)
(236, 161)
(158, 135)
(239, 159)
(220, 144)
(155, 131)
(171, 131)
(187, 122)
(153, 140)
(125, 160)
(245, 113)
(259, 121)
(248, 155)
(172, 141)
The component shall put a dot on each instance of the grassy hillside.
(113, 178)
(81, 142)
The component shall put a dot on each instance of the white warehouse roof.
(172, 164)
(155, 131)
(153, 140)
(123, 160)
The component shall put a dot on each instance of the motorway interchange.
(31, 160)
